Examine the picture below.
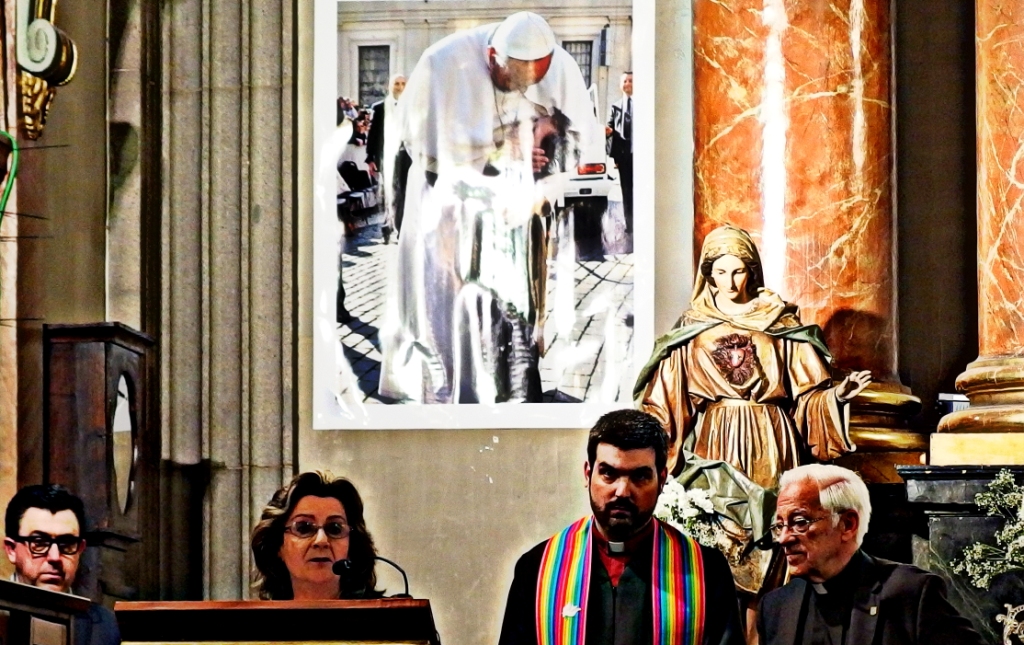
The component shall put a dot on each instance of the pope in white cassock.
(491, 117)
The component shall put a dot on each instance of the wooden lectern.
(33, 616)
(403, 621)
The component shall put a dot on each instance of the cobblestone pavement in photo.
(589, 361)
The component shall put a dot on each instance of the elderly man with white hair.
(839, 595)
(491, 118)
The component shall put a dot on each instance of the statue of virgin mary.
(740, 379)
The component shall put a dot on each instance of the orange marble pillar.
(991, 431)
(8, 283)
(794, 143)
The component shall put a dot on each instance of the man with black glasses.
(44, 542)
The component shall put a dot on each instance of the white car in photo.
(594, 179)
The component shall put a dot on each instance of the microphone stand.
(405, 578)
(344, 567)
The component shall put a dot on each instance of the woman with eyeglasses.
(314, 521)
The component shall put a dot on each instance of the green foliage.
(982, 562)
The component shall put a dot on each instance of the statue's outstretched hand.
(853, 385)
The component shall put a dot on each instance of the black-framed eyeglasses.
(40, 543)
(798, 525)
(304, 529)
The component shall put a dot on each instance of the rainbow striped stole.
(679, 588)
(563, 585)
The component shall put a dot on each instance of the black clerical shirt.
(620, 609)
(825, 615)
(721, 617)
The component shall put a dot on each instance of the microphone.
(344, 568)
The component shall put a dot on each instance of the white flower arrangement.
(691, 511)
(981, 562)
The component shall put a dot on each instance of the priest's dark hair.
(629, 430)
(49, 497)
(272, 580)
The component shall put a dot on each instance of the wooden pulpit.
(33, 616)
(403, 621)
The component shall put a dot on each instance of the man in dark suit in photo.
(839, 595)
(387, 158)
(620, 144)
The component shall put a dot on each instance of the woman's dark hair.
(272, 580)
(755, 277)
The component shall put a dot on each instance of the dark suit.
(893, 604)
(397, 167)
(620, 148)
(721, 624)
(98, 626)
(375, 137)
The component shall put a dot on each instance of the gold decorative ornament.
(36, 98)
(47, 59)
(1012, 626)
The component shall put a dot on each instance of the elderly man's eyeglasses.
(798, 525)
(40, 543)
(304, 529)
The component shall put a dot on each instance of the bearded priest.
(621, 576)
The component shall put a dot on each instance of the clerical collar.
(619, 549)
(845, 581)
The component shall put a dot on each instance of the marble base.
(945, 495)
(875, 439)
(879, 427)
(977, 448)
(995, 386)
(879, 467)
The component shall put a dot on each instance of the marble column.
(227, 328)
(8, 292)
(794, 142)
(991, 431)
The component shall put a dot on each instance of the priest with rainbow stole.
(621, 576)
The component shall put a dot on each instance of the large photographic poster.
(477, 261)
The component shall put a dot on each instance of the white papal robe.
(462, 320)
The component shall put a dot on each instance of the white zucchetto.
(523, 36)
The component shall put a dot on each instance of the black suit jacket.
(375, 137)
(98, 626)
(721, 625)
(619, 147)
(894, 604)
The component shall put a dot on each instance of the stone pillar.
(991, 431)
(8, 290)
(227, 332)
(794, 143)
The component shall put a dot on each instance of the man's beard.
(620, 519)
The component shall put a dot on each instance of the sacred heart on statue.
(735, 358)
